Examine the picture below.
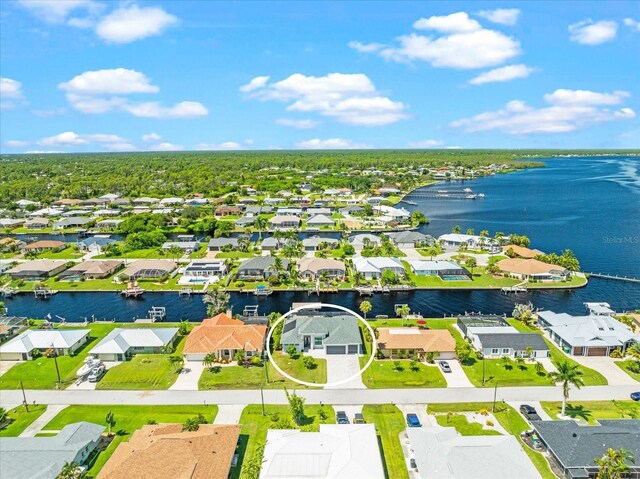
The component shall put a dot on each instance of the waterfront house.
(259, 268)
(46, 212)
(336, 451)
(320, 221)
(410, 239)
(92, 269)
(493, 344)
(446, 270)
(45, 457)
(335, 334)
(312, 243)
(46, 245)
(397, 214)
(94, 244)
(4, 266)
(363, 240)
(168, 451)
(38, 223)
(225, 210)
(573, 447)
(36, 270)
(62, 341)
(532, 269)
(592, 335)
(108, 224)
(244, 221)
(372, 268)
(314, 268)
(412, 342)
(149, 268)
(203, 268)
(285, 221)
(186, 246)
(223, 244)
(455, 241)
(171, 201)
(11, 244)
(271, 244)
(442, 453)
(11, 223)
(122, 344)
(71, 222)
(513, 250)
(600, 309)
(375, 200)
(223, 336)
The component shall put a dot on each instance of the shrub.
(489, 422)
(239, 284)
(309, 362)
(483, 412)
(36, 353)
(256, 361)
(616, 354)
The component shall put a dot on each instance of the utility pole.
(24, 397)
(495, 393)
(262, 400)
(55, 359)
(483, 369)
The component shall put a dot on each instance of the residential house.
(415, 342)
(271, 244)
(573, 446)
(71, 222)
(285, 221)
(600, 309)
(315, 268)
(198, 270)
(375, 200)
(145, 200)
(46, 245)
(108, 212)
(454, 241)
(445, 270)
(167, 450)
(46, 212)
(45, 457)
(5, 266)
(62, 341)
(410, 239)
(223, 244)
(336, 451)
(11, 223)
(396, 214)
(186, 246)
(109, 197)
(76, 212)
(289, 211)
(226, 210)
(592, 335)
(67, 202)
(318, 211)
(94, 244)
(313, 243)
(252, 211)
(320, 221)
(25, 203)
(38, 223)
(363, 240)
(335, 334)
(149, 268)
(92, 269)
(122, 344)
(496, 345)
(171, 201)
(244, 221)
(442, 453)
(520, 251)
(36, 270)
(532, 269)
(372, 268)
(11, 244)
(108, 224)
(259, 268)
(223, 336)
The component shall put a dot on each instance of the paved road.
(327, 396)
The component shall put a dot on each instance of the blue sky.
(86, 75)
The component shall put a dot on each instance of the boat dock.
(43, 292)
(465, 194)
(156, 313)
(615, 277)
(132, 292)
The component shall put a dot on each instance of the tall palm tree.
(71, 470)
(613, 464)
(260, 225)
(358, 277)
(569, 375)
(208, 361)
(217, 301)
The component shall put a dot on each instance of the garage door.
(335, 349)
(353, 349)
(195, 357)
(597, 352)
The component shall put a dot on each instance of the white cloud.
(632, 24)
(503, 16)
(349, 98)
(460, 42)
(425, 144)
(57, 11)
(331, 144)
(299, 124)
(99, 140)
(227, 145)
(152, 109)
(166, 146)
(254, 84)
(10, 93)
(569, 110)
(130, 23)
(115, 81)
(16, 143)
(502, 74)
(149, 137)
(47, 113)
(589, 32)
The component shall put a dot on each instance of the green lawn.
(511, 374)
(591, 411)
(255, 426)
(21, 419)
(509, 419)
(295, 367)
(234, 254)
(389, 423)
(239, 377)
(70, 252)
(463, 426)
(128, 419)
(41, 373)
(155, 253)
(382, 375)
(624, 365)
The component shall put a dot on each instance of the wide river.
(590, 205)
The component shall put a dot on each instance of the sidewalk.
(36, 426)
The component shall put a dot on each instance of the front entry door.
(307, 342)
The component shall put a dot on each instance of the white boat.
(467, 190)
(89, 363)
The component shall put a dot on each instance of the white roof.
(47, 212)
(171, 201)
(359, 239)
(391, 211)
(591, 331)
(441, 453)
(460, 238)
(44, 339)
(599, 308)
(345, 451)
(25, 202)
(320, 219)
(120, 340)
(376, 264)
(424, 265)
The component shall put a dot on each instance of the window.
(317, 341)
(494, 351)
(249, 353)
(505, 351)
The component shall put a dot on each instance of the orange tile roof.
(223, 332)
(428, 340)
(522, 251)
(527, 266)
(165, 451)
(45, 244)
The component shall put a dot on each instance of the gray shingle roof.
(261, 263)
(518, 341)
(340, 330)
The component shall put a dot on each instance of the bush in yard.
(489, 422)
(414, 365)
(36, 353)
(483, 412)
(256, 361)
(292, 351)
(616, 354)
(309, 362)
(397, 366)
(430, 357)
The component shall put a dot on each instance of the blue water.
(589, 205)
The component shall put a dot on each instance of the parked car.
(635, 396)
(341, 417)
(445, 367)
(358, 419)
(413, 464)
(413, 421)
(530, 413)
(96, 373)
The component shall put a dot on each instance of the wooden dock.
(614, 277)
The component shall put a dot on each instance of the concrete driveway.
(36, 426)
(189, 376)
(6, 365)
(342, 366)
(229, 414)
(419, 409)
(456, 378)
(606, 366)
(85, 385)
(350, 410)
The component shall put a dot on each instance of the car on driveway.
(341, 417)
(445, 367)
(413, 464)
(635, 396)
(413, 421)
(358, 419)
(530, 412)
(96, 373)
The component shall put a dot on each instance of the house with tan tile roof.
(223, 336)
(532, 269)
(411, 342)
(165, 450)
(521, 251)
(46, 245)
(313, 268)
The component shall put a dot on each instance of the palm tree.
(110, 419)
(568, 374)
(613, 464)
(324, 277)
(456, 229)
(175, 252)
(71, 470)
(260, 225)
(278, 235)
(176, 361)
(208, 361)
(365, 307)
(217, 301)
